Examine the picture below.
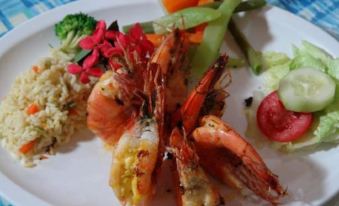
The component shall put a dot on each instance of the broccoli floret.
(73, 28)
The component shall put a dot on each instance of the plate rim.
(17, 195)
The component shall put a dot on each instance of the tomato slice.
(279, 124)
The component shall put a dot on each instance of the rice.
(61, 100)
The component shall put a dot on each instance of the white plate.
(78, 174)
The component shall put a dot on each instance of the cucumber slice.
(306, 90)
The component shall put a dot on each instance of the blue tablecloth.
(14, 12)
(324, 13)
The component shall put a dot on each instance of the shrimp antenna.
(162, 26)
(221, 85)
(145, 112)
(225, 80)
(182, 22)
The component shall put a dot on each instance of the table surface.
(323, 13)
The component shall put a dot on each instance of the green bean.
(208, 50)
(183, 19)
(243, 6)
(232, 62)
(253, 57)
(146, 26)
(250, 5)
(235, 63)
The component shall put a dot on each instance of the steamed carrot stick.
(201, 27)
(196, 37)
(36, 69)
(176, 5)
(203, 2)
(156, 39)
(32, 109)
(27, 147)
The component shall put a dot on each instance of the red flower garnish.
(140, 41)
(110, 35)
(84, 78)
(90, 42)
(121, 50)
(92, 59)
(84, 72)
(74, 69)
(107, 50)
(88, 67)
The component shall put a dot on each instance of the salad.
(297, 106)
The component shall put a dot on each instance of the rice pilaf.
(44, 107)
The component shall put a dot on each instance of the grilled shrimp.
(238, 162)
(138, 152)
(221, 150)
(171, 56)
(113, 99)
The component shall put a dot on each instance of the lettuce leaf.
(328, 126)
(306, 60)
(333, 68)
(314, 51)
(271, 59)
(273, 76)
(276, 66)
